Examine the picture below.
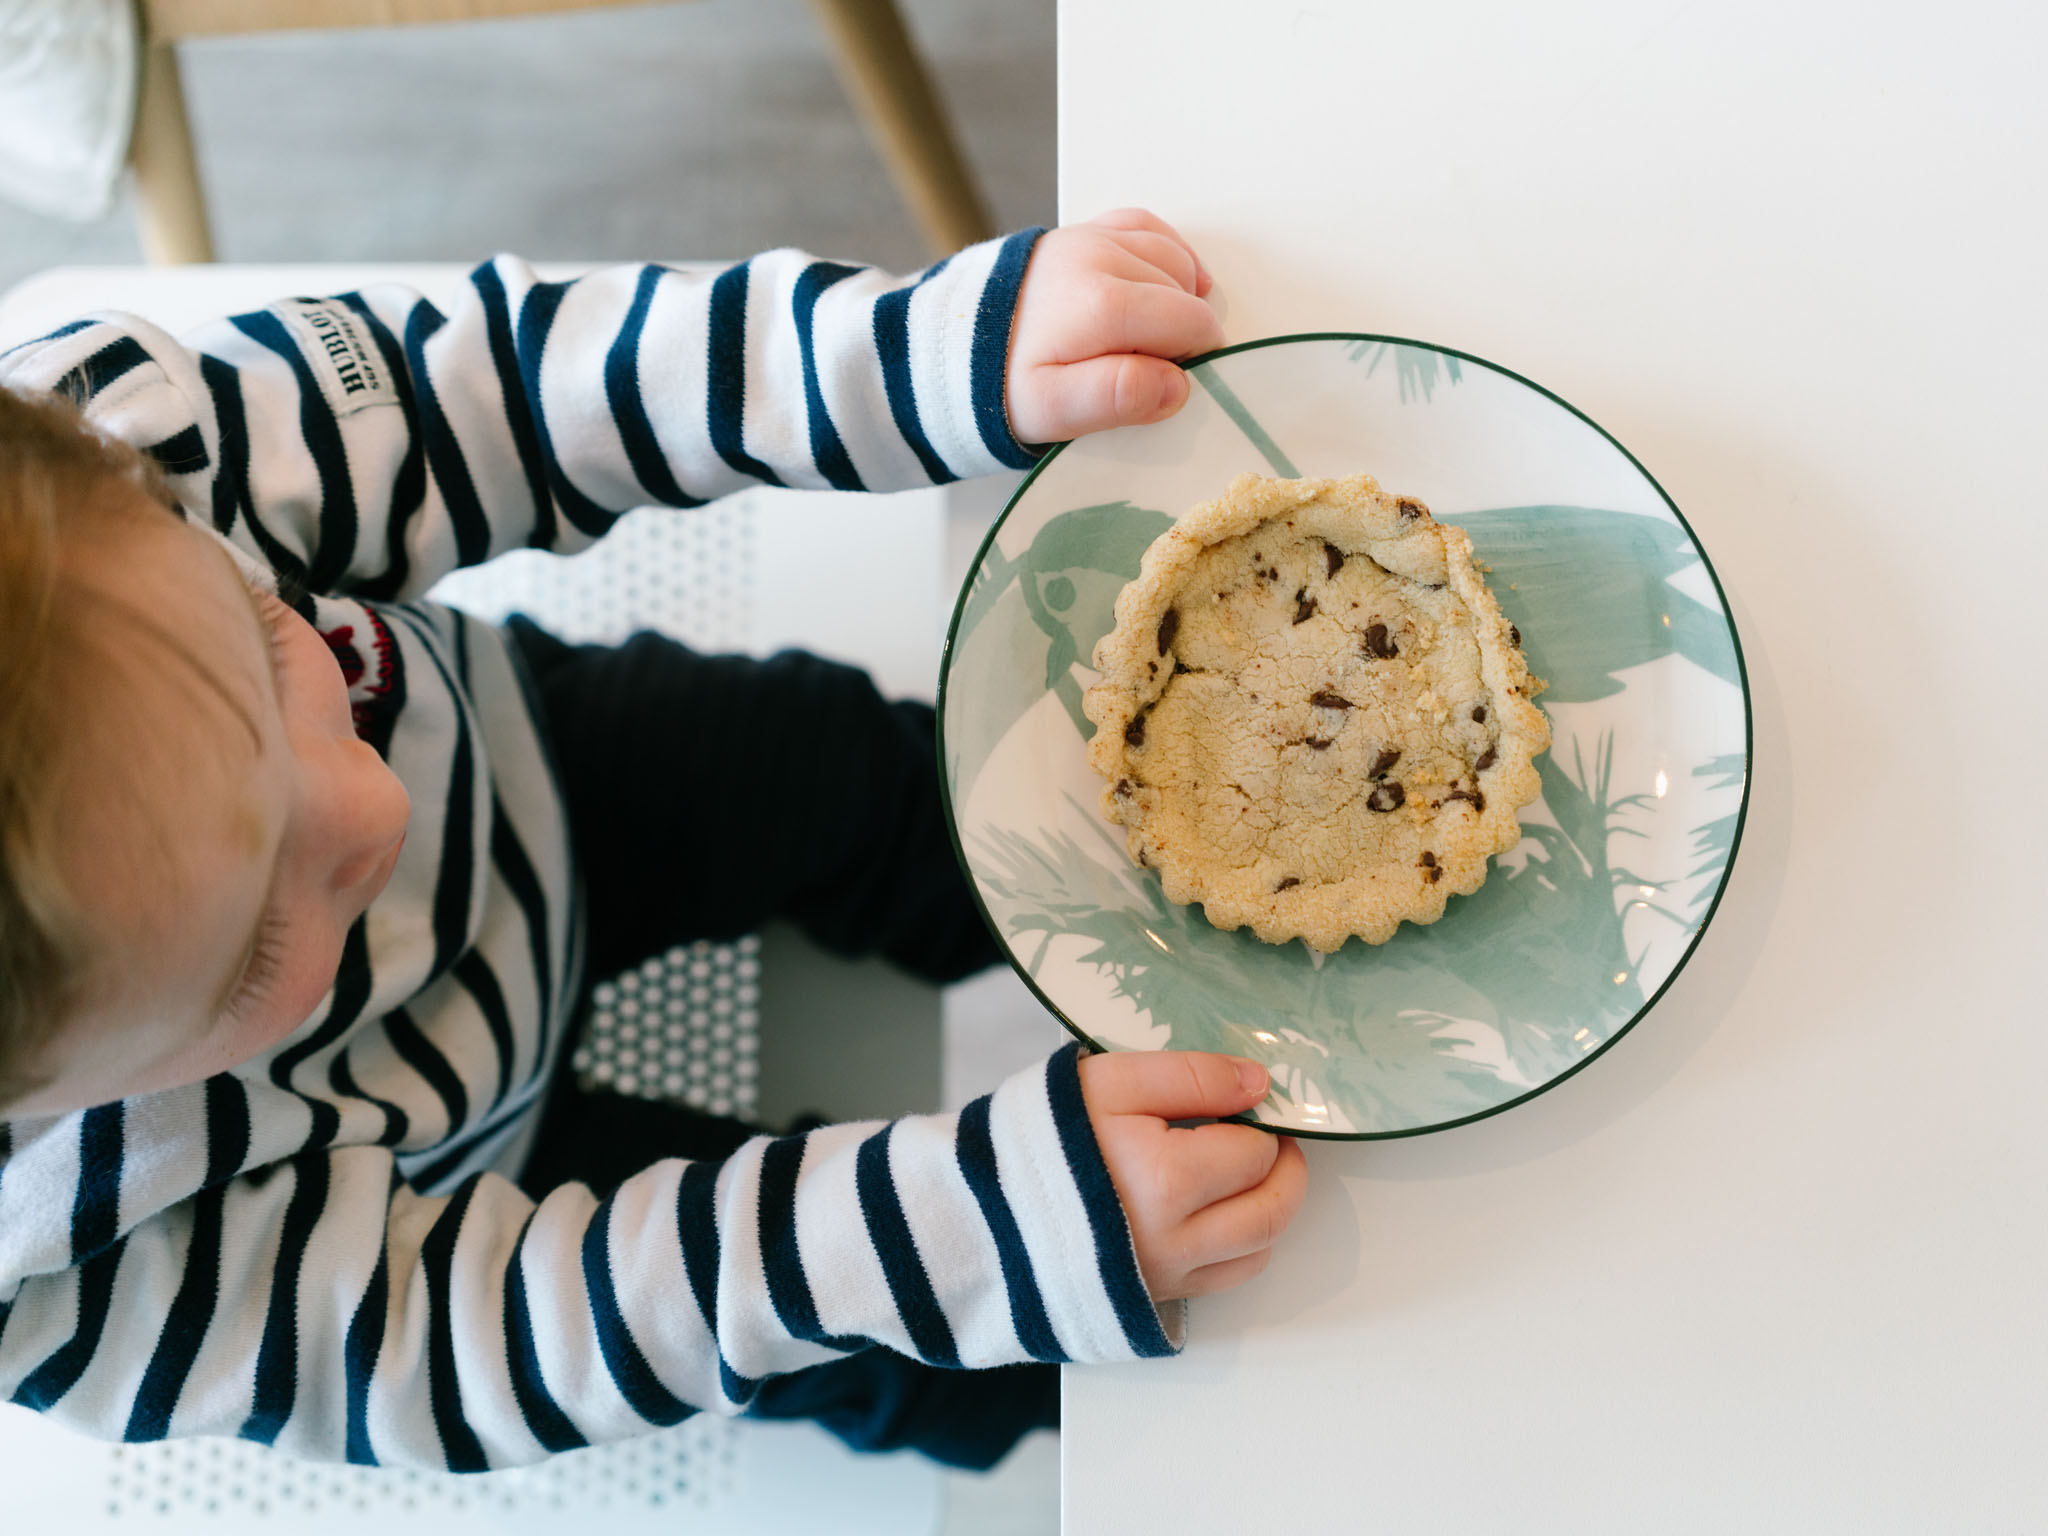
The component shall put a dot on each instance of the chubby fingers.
(1211, 1278)
(1230, 1241)
(1144, 221)
(1204, 1203)
(1248, 1221)
(1155, 318)
(1171, 1085)
(1145, 257)
(1167, 1174)
(1103, 308)
(1054, 403)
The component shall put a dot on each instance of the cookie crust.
(1312, 717)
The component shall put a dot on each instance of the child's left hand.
(1103, 307)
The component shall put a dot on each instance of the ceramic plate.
(1577, 930)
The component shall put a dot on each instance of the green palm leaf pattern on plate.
(1066, 583)
(1591, 591)
(1431, 1023)
(1714, 843)
(1518, 984)
(1415, 367)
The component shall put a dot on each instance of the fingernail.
(1251, 1077)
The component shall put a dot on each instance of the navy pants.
(706, 795)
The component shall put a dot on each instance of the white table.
(1778, 1262)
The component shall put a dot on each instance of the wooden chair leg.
(170, 207)
(891, 91)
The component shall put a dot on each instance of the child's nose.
(366, 866)
(378, 810)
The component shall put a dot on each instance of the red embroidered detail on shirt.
(363, 697)
(387, 653)
(341, 642)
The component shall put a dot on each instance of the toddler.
(302, 878)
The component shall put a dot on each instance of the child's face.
(233, 845)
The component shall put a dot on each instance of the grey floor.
(703, 130)
(684, 131)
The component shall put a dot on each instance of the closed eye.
(266, 963)
(267, 953)
(273, 612)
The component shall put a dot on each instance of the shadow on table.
(1638, 1065)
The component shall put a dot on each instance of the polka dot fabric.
(688, 575)
(188, 1484)
(684, 1027)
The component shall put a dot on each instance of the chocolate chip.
(1168, 628)
(1379, 643)
(1387, 758)
(1485, 760)
(1411, 508)
(1479, 714)
(1318, 743)
(1143, 862)
(1151, 669)
(1273, 574)
(1134, 733)
(1428, 859)
(1333, 557)
(1123, 786)
(1328, 700)
(1288, 884)
(1515, 635)
(1386, 797)
(1180, 666)
(1478, 800)
(1435, 875)
(1304, 606)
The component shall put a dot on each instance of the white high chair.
(864, 586)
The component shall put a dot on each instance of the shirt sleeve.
(326, 1309)
(368, 443)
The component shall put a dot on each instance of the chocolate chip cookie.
(1312, 716)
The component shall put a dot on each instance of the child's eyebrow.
(247, 953)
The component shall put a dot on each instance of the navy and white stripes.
(322, 1249)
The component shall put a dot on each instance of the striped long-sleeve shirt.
(323, 1249)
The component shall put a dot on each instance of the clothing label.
(341, 352)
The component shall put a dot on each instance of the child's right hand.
(1204, 1203)
(1103, 308)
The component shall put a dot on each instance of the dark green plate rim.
(1741, 669)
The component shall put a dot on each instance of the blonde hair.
(59, 481)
